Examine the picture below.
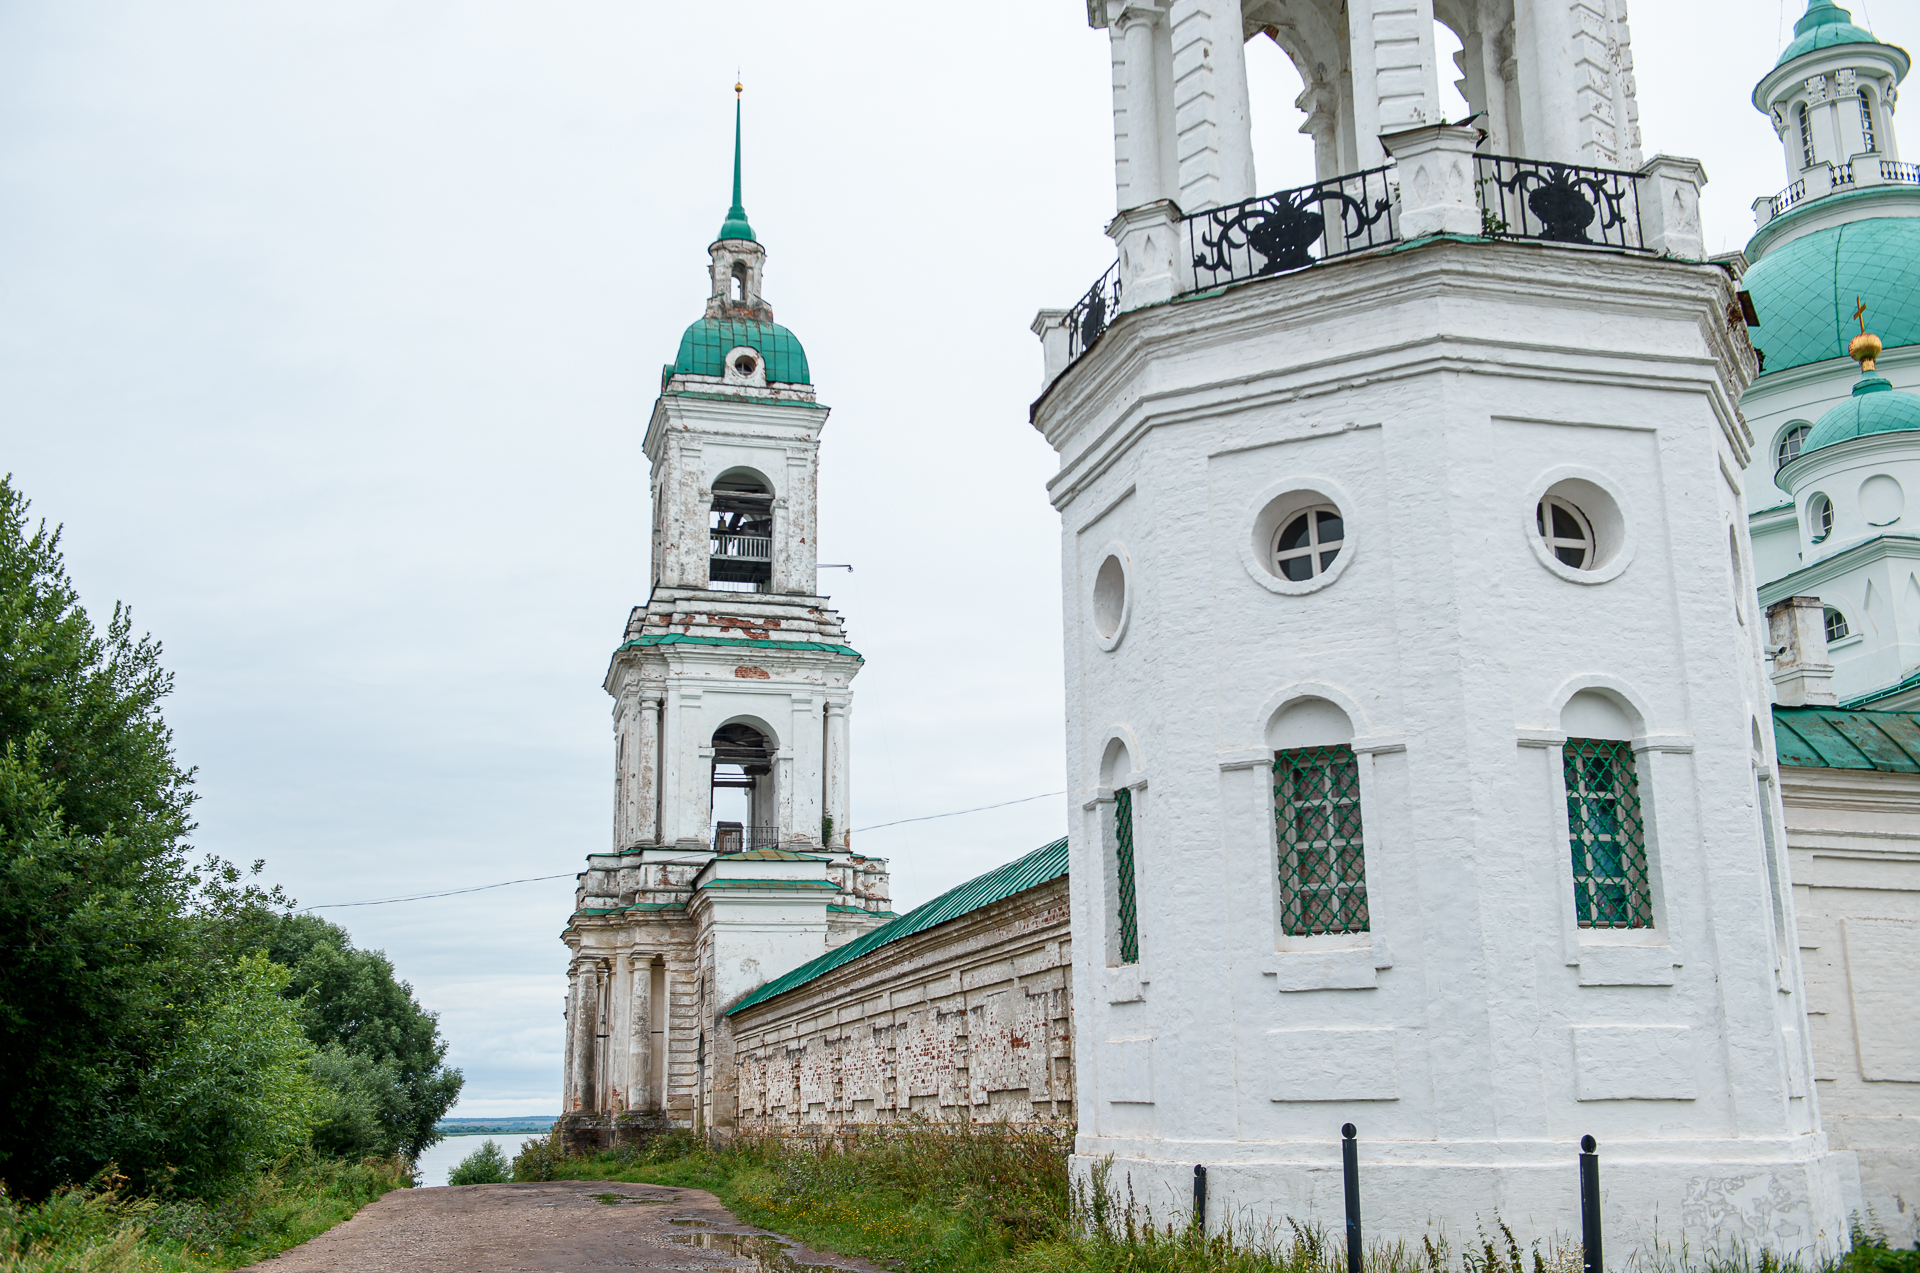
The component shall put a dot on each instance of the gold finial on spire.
(1865, 347)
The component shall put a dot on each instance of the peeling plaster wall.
(969, 1019)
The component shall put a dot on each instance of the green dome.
(1805, 291)
(704, 348)
(1875, 407)
(1824, 25)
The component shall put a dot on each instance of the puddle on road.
(688, 1220)
(615, 1199)
(765, 1255)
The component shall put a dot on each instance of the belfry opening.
(742, 790)
(741, 533)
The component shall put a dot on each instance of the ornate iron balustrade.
(1558, 203)
(1906, 174)
(731, 837)
(1292, 229)
(743, 547)
(1091, 314)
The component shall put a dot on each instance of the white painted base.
(1790, 1196)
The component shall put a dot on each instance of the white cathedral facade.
(1489, 631)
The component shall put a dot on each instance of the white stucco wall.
(1475, 1032)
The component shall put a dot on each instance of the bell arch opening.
(741, 796)
(741, 533)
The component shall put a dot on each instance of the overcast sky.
(329, 328)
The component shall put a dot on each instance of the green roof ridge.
(682, 638)
(1048, 862)
(735, 226)
(1847, 738)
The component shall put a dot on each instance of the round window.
(1577, 525)
(1819, 517)
(1567, 532)
(1309, 543)
(1836, 625)
(744, 364)
(1110, 599)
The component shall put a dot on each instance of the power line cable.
(536, 879)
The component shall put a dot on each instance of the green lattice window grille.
(1123, 870)
(1323, 869)
(1608, 835)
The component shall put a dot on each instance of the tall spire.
(736, 226)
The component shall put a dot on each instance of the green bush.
(484, 1166)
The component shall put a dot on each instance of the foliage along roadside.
(938, 1198)
(171, 1019)
(106, 1228)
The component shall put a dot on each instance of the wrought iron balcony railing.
(732, 837)
(743, 547)
(1091, 314)
(1292, 229)
(1558, 203)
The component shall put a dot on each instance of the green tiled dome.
(1875, 407)
(1824, 25)
(1805, 291)
(704, 348)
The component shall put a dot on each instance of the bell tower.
(1415, 683)
(731, 861)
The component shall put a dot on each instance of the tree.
(381, 1053)
(484, 1166)
(111, 997)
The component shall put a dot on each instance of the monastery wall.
(1855, 848)
(971, 1018)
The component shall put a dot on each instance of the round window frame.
(1614, 563)
(1112, 552)
(731, 374)
(1269, 512)
(1780, 440)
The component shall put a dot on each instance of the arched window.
(1819, 517)
(1318, 825)
(1123, 911)
(1866, 123)
(742, 792)
(739, 292)
(741, 554)
(1790, 442)
(1806, 136)
(1836, 625)
(1606, 825)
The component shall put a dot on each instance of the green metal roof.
(1824, 25)
(768, 855)
(1874, 407)
(791, 886)
(1049, 862)
(704, 347)
(1847, 738)
(1805, 291)
(682, 638)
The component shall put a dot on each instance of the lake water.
(432, 1166)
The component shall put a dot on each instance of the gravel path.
(567, 1226)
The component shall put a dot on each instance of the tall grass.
(985, 1198)
(103, 1228)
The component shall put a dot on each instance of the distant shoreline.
(493, 1126)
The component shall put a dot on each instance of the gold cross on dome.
(1858, 314)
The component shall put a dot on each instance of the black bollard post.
(1590, 1203)
(1200, 1199)
(1350, 1168)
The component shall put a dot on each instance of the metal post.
(1200, 1199)
(1350, 1168)
(1590, 1203)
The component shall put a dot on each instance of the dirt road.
(564, 1227)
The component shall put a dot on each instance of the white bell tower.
(1416, 695)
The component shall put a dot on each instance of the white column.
(1395, 85)
(1212, 137)
(644, 788)
(622, 813)
(692, 750)
(1139, 177)
(640, 1034)
(583, 1024)
(837, 770)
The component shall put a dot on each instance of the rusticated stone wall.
(972, 1018)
